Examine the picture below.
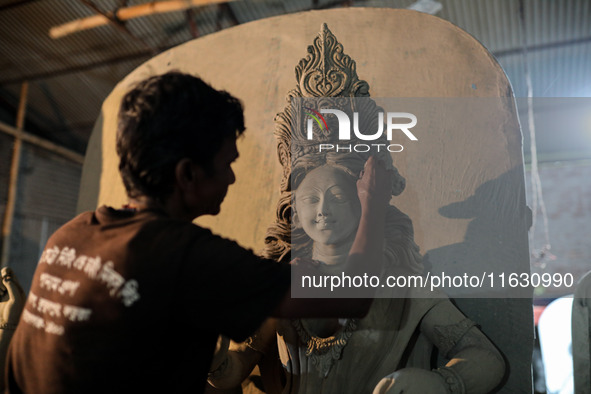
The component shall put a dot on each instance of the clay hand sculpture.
(220, 353)
(412, 380)
(12, 302)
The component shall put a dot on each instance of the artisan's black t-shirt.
(134, 302)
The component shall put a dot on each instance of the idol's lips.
(323, 223)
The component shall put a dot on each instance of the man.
(133, 299)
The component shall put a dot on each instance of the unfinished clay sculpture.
(391, 349)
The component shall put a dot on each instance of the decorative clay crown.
(326, 79)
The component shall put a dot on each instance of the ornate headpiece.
(326, 78)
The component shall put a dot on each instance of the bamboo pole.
(119, 25)
(123, 14)
(13, 183)
(43, 143)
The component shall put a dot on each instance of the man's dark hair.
(165, 119)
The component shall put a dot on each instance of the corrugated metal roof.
(26, 44)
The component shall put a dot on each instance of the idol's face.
(327, 207)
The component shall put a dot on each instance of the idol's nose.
(323, 208)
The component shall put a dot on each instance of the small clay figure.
(12, 302)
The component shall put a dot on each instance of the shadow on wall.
(495, 243)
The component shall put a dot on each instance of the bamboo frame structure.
(127, 13)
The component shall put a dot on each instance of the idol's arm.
(475, 365)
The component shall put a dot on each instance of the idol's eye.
(309, 200)
(338, 195)
(339, 198)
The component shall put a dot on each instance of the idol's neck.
(331, 255)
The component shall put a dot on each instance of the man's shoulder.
(152, 218)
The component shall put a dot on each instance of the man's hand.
(412, 381)
(12, 300)
(375, 184)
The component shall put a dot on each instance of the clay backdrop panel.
(465, 188)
